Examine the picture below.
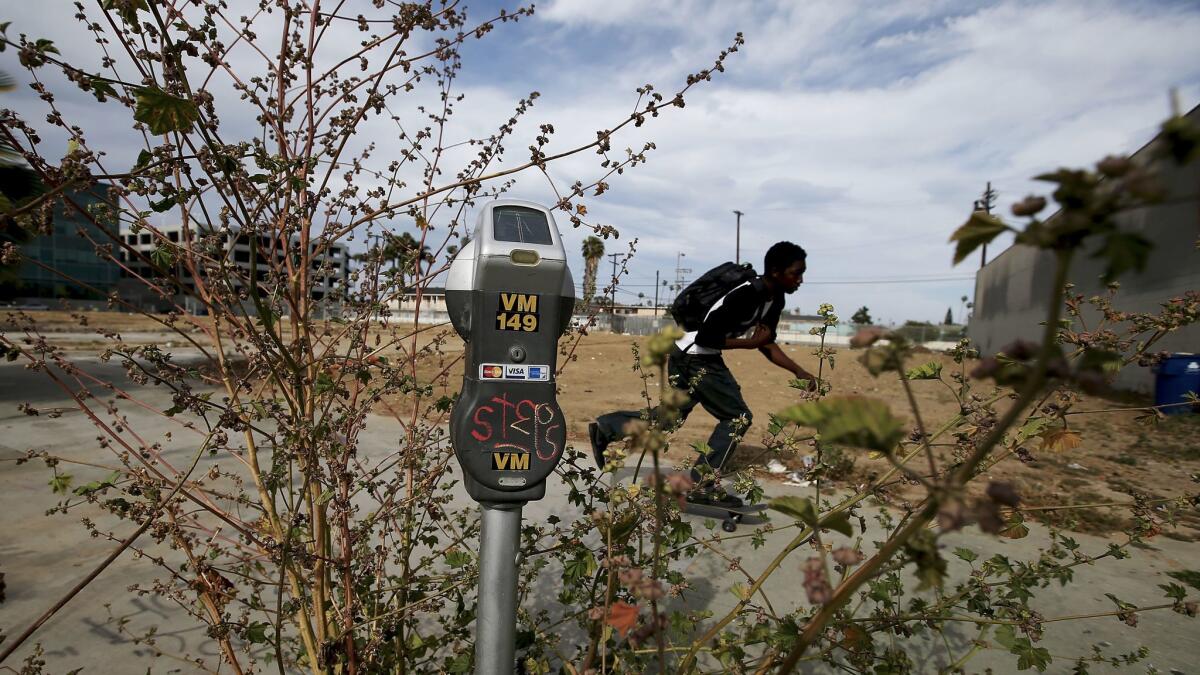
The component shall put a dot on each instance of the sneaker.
(599, 444)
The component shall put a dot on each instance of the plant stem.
(816, 626)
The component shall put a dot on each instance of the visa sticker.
(513, 371)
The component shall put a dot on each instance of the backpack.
(692, 305)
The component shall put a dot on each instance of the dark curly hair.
(781, 256)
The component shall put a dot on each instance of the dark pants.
(716, 390)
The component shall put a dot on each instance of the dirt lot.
(1117, 455)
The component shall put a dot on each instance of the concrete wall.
(1012, 291)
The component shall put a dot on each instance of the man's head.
(784, 266)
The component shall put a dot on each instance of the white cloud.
(861, 130)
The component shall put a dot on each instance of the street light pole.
(738, 254)
(679, 272)
(656, 294)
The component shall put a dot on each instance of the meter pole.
(496, 617)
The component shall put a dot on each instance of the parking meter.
(510, 297)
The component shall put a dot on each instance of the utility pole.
(656, 294)
(986, 204)
(612, 303)
(738, 254)
(679, 272)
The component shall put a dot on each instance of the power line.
(887, 280)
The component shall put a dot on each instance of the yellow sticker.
(510, 461)
(518, 311)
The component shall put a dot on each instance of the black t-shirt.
(742, 309)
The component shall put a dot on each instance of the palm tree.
(593, 251)
(403, 251)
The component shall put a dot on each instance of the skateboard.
(730, 515)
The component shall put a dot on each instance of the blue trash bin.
(1177, 375)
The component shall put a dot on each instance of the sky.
(862, 131)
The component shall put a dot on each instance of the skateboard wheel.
(729, 526)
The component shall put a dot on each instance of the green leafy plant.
(305, 550)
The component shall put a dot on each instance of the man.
(754, 306)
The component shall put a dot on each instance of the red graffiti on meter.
(525, 425)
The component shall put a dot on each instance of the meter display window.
(520, 224)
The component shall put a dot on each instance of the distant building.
(1011, 290)
(63, 263)
(238, 250)
(433, 306)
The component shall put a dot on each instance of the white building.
(432, 306)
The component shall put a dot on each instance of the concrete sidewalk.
(44, 556)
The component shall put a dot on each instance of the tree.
(862, 317)
(949, 317)
(406, 254)
(593, 251)
(262, 130)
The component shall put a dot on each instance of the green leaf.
(1101, 361)
(680, 532)
(415, 642)
(143, 159)
(966, 554)
(929, 371)
(1028, 656)
(84, 490)
(1121, 604)
(102, 89)
(579, 568)
(980, 228)
(850, 420)
(1006, 636)
(461, 663)
(1174, 591)
(1033, 427)
(838, 522)
(1035, 657)
(256, 632)
(1124, 251)
(324, 383)
(162, 257)
(163, 112)
(60, 483)
(1015, 528)
(800, 508)
(165, 204)
(457, 559)
(127, 10)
